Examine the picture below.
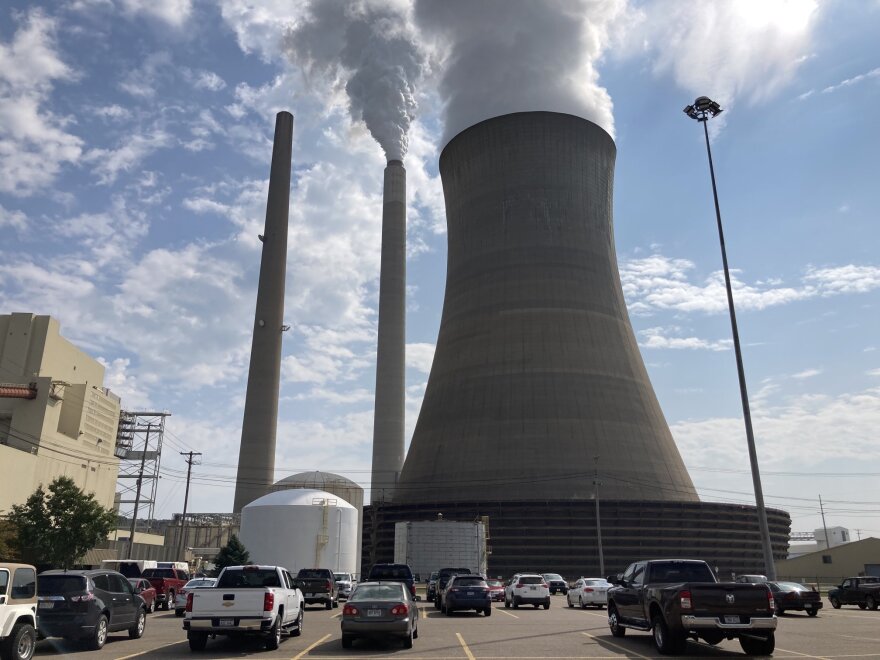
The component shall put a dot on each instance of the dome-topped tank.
(302, 528)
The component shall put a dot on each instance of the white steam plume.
(370, 46)
(504, 56)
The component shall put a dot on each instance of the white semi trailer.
(430, 545)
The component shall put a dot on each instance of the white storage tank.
(301, 528)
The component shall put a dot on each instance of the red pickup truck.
(167, 581)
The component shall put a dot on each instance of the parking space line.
(803, 655)
(134, 655)
(309, 648)
(507, 613)
(617, 646)
(864, 639)
(467, 651)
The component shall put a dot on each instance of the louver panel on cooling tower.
(536, 369)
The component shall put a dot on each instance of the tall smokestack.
(537, 369)
(388, 420)
(256, 458)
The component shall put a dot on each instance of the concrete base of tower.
(560, 536)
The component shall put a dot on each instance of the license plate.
(227, 622)
(46, 606)
(470, 593)
(731, 619)
(374, 612)
(309, 595)
(533, 588)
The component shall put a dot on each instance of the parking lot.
(559, 632)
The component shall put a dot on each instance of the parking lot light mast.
(702, 109)
(598, 522)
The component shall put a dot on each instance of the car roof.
(13, 567)
(85, 572)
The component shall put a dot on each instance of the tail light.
(412, 589)
(349, 610)
(268, 601)
(588, 590)
(82, 598)
(400, 610)
(189, 603)
(519, 585)
(685, 597)
(544, 584)
(771, 602)
(329, 585)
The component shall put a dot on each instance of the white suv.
(527, 589)
(18, 602)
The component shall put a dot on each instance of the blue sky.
(135, 139)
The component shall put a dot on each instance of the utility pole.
(824, 526)
(181, 551)
(859, 532)
(137, 496)
(596, 483)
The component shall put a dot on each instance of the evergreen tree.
(60, 526)
(232, 554)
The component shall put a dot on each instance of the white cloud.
(806, 373)
(114, 111)
(210, 81)
(658, 338)
(14, 219)
(873, 372)
(33, 143)
(109, 163)
(143, 82)
(855, 80)
(420, 356)
(258, 26)
(845, 279)
(173, 12)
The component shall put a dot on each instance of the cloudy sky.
(135, 139)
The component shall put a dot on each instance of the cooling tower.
(388, 420)
(256, 459)
(536, 370)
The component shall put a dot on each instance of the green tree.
(60, 526)
(232, 554)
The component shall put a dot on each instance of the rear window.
(130, 569)
(53, 585)
(159, 573)
(312, 574)
(248, 579)
(679, 571)
(596, 583)
(553, 576)
(446, 572)
(200, 582)
(378, 592)
(870, 580)
(396, 572)
(342, 577)
(469, 582)
(531, 579)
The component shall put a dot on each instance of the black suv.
(556, 583)
(394, 573)
(86, 605)
(443, 576)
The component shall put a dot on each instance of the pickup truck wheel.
(179, 612)
(568, 600)
(99, 637)
(547, 605)
(274, 639)
(298, 630)
(197, 640)
(614, 623)
(328, 605)
(835, 603)
(667, 642)
(862, 606)
(812, 611)
(20, 643)
(780, 610)
(870, 603)
(758, 645)
(506, 603)
(166, 606)
(336, 603)
(137, 630)
(488, 611)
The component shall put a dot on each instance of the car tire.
(568, 600)
(197, 640)
(667, 642)
(488, 611)
(582, 603)
(780, 611)
(535, 605)
(298, 626)
(862, 606)
(336, 603)
(140, 623)
(614, 622)
(870, 603)
(99, 636)
(812, 611)
(346, 641)
(166, 606)
(20, 643)
(599, 607)
(758, 645)
(711, 637)
(546, 605)
(408, 641)
(274, 639)
(179, 612)
(516, 602)
(835, 603)
(328, 605)
(152, 606)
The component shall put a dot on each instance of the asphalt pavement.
(524, 633)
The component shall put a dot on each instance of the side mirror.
(612, 579)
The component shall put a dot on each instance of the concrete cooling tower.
(536, 369)
(537, 372)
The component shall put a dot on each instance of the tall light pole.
(702, 109)
(598, 522)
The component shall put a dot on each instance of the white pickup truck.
(247, 600)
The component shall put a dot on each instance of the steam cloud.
(504, 56)
(371, 46)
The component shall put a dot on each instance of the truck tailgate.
(227, 603)
(729, 599)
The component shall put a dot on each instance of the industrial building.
(56, 416)
(830, 566)
(537, 380)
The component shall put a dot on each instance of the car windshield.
(596, 583)
(159, 573)
(248, 578)
(50, 585)
(670, 572)
(201, 582)
(378, 592)
(475, 581)
(552, 576)
(342, 577)
(531, 579)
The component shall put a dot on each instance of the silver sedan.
(380, 609)
(589, 591)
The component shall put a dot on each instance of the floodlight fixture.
(703, 108)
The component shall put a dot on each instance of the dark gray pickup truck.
(318, 586)
(861, 591)
(677, 599)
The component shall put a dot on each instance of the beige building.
(56, 416)
(831, 566)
